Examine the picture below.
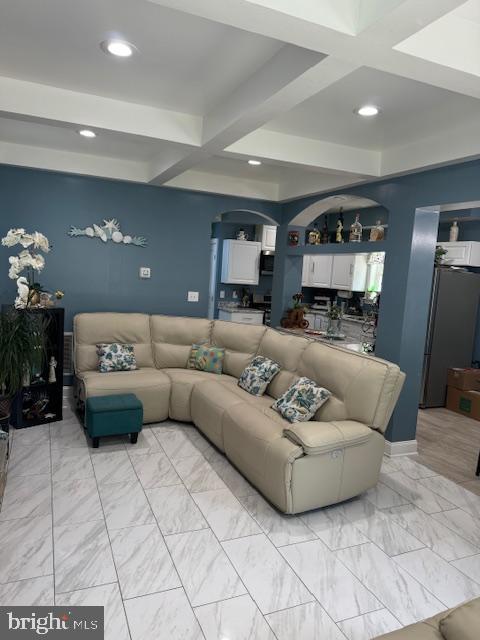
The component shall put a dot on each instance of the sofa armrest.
(320, 437)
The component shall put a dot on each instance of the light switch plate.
(192, 296)
(145, 272)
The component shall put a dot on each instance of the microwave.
(267, 260)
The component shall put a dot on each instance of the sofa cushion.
(209, 401)
(286, 350)
(152, 388)
(240, 342)
(91, 329)
(320, 437)
(256, 445)
(257, 375)
(463, 623)
(418, 631)
(301, 400)
(261, 403)
(363, 388)
(173, 336)
(183, 381)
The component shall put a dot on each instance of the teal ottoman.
(112, 416)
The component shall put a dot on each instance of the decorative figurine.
(293, 238)
(242, 235)
(339, 230)
(454, 232)
(356, 230)
(314, 235)
(23, 292)
(51, 370)
(377, 232)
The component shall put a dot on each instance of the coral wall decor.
(110, 230)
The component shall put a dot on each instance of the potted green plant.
(20, 350)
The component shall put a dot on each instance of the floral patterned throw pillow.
(300, 401)
(209, 358)
(116, 357)
(258, 374)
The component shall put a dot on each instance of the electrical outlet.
(222, 294)
(145, 272)
(192, 296)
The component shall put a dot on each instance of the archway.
(331, 203)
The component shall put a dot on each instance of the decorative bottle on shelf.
(454, 232)
(356, 230)
(325, 232)
(339, 230)
(377, 232)
(314, 235)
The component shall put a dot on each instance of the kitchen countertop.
(347, 343)
(346, 317)
(239, 310)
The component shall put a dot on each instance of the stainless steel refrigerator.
(451, 330)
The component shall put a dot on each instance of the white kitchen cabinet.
(241, 262)
(267, 235)
(244, 316)
(317, 271)
(349, 272)
(462, 254)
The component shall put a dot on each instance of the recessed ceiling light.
(87, 133)
(254, 163)
(368, 110)
(119, 48)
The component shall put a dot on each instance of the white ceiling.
(410, 110)
(184, 63)
(219, 81)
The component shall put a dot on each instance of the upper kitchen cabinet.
(349, 272)
(317, 271)
(241, 262)
(266, 234)
(461, 254)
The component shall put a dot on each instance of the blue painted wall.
(410, 249)
(97, 276)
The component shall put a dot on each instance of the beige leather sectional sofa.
(296, 466)
(461, 623)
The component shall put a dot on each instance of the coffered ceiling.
(215, 83)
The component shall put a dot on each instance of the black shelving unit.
(43, 392)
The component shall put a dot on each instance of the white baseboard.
(405, 448)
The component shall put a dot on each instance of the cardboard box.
(465, 402)
(465, 379)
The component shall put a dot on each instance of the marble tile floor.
(177, 545)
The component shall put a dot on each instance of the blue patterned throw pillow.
(116, 356)
(258, 374)
(300, 401)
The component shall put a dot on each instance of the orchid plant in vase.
(28, 261)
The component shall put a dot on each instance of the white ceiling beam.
(371, 47)
(287, 79)
(51, 105)
(71, 162)
(307, 152)
(228, 185)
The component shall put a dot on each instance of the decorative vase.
(356, 230)
(293, 238)
(454, 232)
(334, 327)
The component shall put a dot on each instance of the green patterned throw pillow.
(209, 358)
(193, 355)
(116, 357)
(258, 374)
(300, 401)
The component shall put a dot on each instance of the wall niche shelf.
(333, 248)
